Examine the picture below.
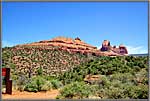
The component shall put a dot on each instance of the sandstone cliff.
(106, 47)
(78, 46)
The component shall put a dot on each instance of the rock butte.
(122, 50)
(78, 46)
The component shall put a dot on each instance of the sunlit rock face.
(68, 44)
(106, 47)
(79, 46)
(123, 49)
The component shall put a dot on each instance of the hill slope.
(109, 78)
(30, 60)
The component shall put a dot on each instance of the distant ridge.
(144, 54)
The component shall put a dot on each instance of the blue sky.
(120, 22)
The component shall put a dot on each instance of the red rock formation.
(123, 49)
(106, 47)
(78, 46)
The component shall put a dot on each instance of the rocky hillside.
(32, 60)
(50, 57)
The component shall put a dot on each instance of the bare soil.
(31, 95)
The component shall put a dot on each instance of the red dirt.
(31, 95)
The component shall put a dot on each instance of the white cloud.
(136, 50)
(99, 47)
(7, 44)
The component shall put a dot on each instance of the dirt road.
(31, 95)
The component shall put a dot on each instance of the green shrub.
(104, 66)
(105, 81)
(143, 92)
(35, 84)
(114, 93)
(3, 80)
(118, 90)
(75, 90)
(56, 84)
(123, 77)
(47, 86)
(21, 82)
(137, 92)
(40, 71)
(31, 87)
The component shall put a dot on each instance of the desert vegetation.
(32, 60)
(37, 69)
(120, 77)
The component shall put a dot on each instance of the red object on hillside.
(8, 82)
(3, 71)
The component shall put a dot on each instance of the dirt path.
(31, 95)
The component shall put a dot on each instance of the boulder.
(77, 38)
(93, 79)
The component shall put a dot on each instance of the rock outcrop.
(93, 79)
(106, 47)
(78, 46)
(68, 44)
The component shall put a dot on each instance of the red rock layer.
(77, 46)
